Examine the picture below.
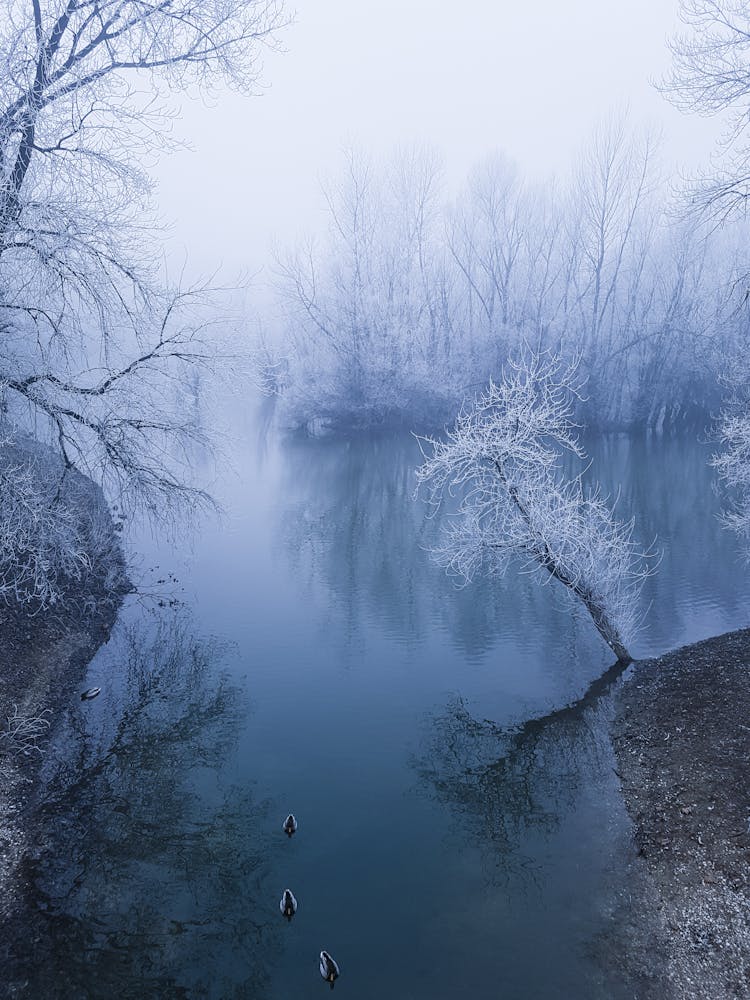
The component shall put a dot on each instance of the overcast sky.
(529, 78)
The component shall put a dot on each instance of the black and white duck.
(288, 904)
(329, 969)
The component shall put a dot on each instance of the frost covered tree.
(94, 345)
(710, 75)
(732, 462)
(503, 458)
(369, 311)
(410, 303)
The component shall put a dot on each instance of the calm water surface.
(318, 662)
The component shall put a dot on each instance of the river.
(305, 654)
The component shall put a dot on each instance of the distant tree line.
(408, 305)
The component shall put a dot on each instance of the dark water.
(321, 664)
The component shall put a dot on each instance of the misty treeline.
(409, 302)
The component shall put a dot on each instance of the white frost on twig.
(503, 458)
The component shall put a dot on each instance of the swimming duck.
(290, 825)
(91, 693)
(288, 904)
(329, 970)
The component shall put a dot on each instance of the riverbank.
(43, 659)
(42, 663)
(682, 739)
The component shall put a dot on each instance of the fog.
(529, 80)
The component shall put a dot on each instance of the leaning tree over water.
(503, 458)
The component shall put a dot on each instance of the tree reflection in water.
(148, 870)
(510, 785)
(351, 523)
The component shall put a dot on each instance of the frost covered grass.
(56, 534)
(503, 459)
(21, 736)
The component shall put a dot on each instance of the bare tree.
(608, 200)
(486, 240)
(369, 312)
(503, 455)
(93, 346)
(710, 75)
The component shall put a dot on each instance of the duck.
(329, 969)
(91, 693)
(290, 825)
(288, 904)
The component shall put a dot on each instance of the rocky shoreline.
(682, 739)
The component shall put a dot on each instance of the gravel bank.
(682, 739)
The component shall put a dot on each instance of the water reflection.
(148, 867)
(509, 787)
(540, 806)
(350, 520)
(701, 585)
